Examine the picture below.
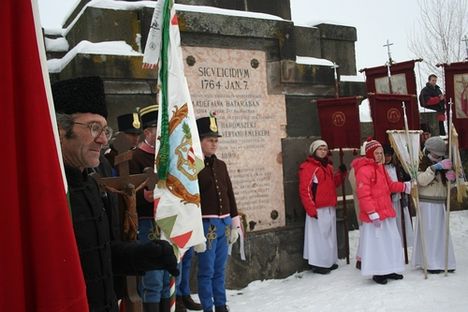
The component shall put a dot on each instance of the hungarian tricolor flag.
(179, 157)
(39, 263)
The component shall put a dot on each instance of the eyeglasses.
(96, 129)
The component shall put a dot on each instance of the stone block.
(308, 41)
(301, 114)
(114, 25)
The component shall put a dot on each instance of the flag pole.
(415, 191)
(449, 186)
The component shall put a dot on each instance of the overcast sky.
(375, 21)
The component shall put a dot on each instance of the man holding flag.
(81, 116)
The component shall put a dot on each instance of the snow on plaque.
(233, 84)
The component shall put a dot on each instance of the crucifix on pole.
(389, 64)
(465, 39)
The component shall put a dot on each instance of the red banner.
(456, 84)
(40, 264)
(403, 79)
(339, 121)
(387, 113)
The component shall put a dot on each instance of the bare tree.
(438, 36)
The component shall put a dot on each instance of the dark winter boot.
(358, 264)
(223, 308)
(380, 279)
(320, 270)
(435, 271)
(334, 267)
(151, 307)
(165, 305)
(179, 305)
(394, 276)
(190, 304)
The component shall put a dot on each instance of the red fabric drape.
(406, 68)
(39, 263)
(459, 97)
(339, 122)
(387, 113)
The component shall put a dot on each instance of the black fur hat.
(80, 95)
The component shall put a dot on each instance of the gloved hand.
(200, 248)
(148, 195)
(160, 254)
(343, 168)
(443, 164)
(375, 218)
(451, 175)
(408, 187)
(235, 230)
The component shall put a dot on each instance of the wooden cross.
(127, 185)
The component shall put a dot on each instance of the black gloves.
(159, 255)
(343, 168)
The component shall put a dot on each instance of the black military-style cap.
(80, 95)
(208, 127)
(129, 123)
(149, 116)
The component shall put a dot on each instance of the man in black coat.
(431, 97)
(83, 130)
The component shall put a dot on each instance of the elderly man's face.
(82, 150)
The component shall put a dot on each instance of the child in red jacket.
(317, 184)
(380, 246)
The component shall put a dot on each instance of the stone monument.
(249, 64)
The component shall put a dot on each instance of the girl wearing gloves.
(380, 245)
(317, 190)
(434, 171)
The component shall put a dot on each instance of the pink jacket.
(373, 188)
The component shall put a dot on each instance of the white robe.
(320, 245)
(380, 248)
(433, 220)
(391, 170)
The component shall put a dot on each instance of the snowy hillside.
(346, 290)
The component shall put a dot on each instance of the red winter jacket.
(373, 188)
(325, 195)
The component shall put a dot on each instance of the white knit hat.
(316, 144)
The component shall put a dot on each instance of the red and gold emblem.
(393, 115)
(338, 119)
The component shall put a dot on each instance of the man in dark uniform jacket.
(221, 222)
(154, 285)
(83, 130)
(431, 97)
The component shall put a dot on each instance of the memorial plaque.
(233, 84)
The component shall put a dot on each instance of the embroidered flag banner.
(179, 157)
(387, 113)
(456, 84)
(403, 79)
(339, 121)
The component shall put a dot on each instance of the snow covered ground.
(346, 290)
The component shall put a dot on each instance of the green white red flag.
(179, 157)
